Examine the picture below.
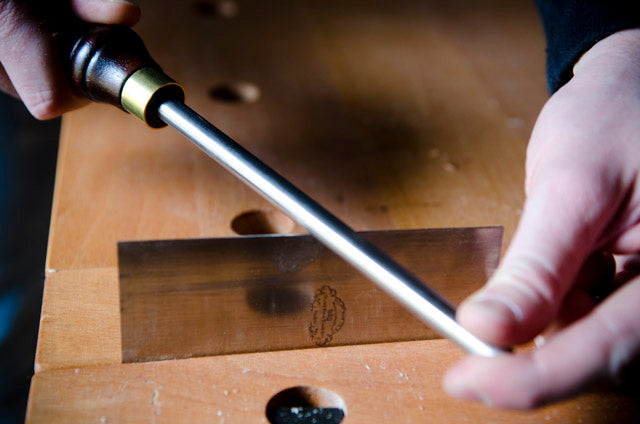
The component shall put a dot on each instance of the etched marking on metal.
(327, 315)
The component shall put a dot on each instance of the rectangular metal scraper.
(199, 297)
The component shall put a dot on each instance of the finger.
(563, 216)
(628, 267)
(594, 278)
(29, 56)
(597, 347)
(123, 12)
(628, 262)
(627, 242)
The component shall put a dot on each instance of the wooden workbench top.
(394, 115)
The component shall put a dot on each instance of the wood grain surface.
(395, 115)
(383, 383)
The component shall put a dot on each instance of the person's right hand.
(31, 66)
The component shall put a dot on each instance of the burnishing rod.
(111, 64)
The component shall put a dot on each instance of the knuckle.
(533, 279)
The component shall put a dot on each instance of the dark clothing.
(573, 26)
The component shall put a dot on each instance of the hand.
(31, 66)
(583, 204)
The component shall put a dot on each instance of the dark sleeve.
(573, 26)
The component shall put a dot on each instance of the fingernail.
(497, 307)
(458, 388)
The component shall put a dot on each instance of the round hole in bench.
(262, 221)
(235, 92)
(306, 404)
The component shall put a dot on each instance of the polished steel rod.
(429, 306)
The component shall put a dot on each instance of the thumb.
(563, 216)
(123, 12)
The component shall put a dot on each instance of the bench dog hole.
(225, 9)
(305, 405)
(262, 221)
(235, 92)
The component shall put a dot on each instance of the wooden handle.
(102, 60)
(110, 64)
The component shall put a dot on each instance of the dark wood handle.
(103, 58)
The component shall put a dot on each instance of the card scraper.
(110, 64)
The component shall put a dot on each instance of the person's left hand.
(583, 204)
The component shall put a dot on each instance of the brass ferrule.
(144, 91)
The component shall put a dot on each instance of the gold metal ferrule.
(145, 90)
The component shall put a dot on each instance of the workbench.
(394, 115)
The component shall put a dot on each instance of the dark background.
(28, 151)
